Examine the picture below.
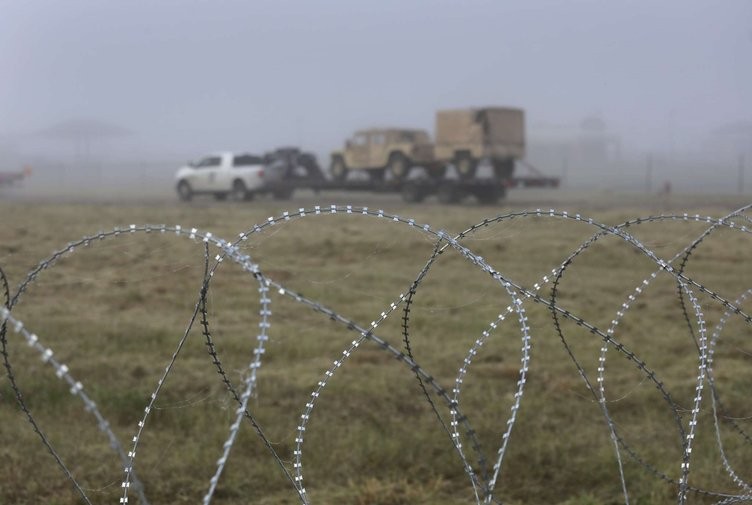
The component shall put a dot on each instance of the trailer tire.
(489, 195)
(338, 169)
(503, 168)
(412, 193)
(398, 166)
(448, 194)
(436, 171)
(465, 165)
(283, 193)
(376, 174)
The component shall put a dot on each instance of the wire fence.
(483, 469)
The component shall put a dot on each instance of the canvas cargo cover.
(489, 125)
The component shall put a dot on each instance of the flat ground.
(114, 312)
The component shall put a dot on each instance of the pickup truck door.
(221, 174)
(205, 173)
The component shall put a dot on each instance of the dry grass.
(115, 311)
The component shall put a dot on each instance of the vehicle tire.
(465, 165)
(398, 166)
(239, 192)
(436, 171)
(283, 193)
(489, 195)
(503, 169)
(338, 169)
(185, 192)
(412, 193)
(220, 197)
(448, 194)
(376, 174)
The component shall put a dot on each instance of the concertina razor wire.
(482, 478)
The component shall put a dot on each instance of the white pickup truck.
(224, 174)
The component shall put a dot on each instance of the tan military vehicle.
(465, 137)
(381, 150)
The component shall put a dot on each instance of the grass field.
(114, 312)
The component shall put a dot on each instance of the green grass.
(114, 312)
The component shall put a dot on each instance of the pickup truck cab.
(223, 175)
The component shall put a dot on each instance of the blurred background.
(112, 97)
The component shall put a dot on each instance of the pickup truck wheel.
(185, 192)
(338, 169)
(239, 191)
(399, 166)
(465, 165)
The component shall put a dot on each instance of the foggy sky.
(197, 76)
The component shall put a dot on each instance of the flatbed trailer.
(533, 182)
(485, 190)
(288, 177)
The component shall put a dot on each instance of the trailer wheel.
(489, 195)
(283, 193)
(376, 174)
(465, 165)
(436, 171)
(398, 166)
(503, 169)
(448, 193)
(338, 169)
(412, 193)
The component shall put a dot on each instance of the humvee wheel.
(465, 165)
(338, 170)
(399, 166)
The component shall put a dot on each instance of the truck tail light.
(261, 173)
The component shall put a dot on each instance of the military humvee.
(465, 137)
(381, 150)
